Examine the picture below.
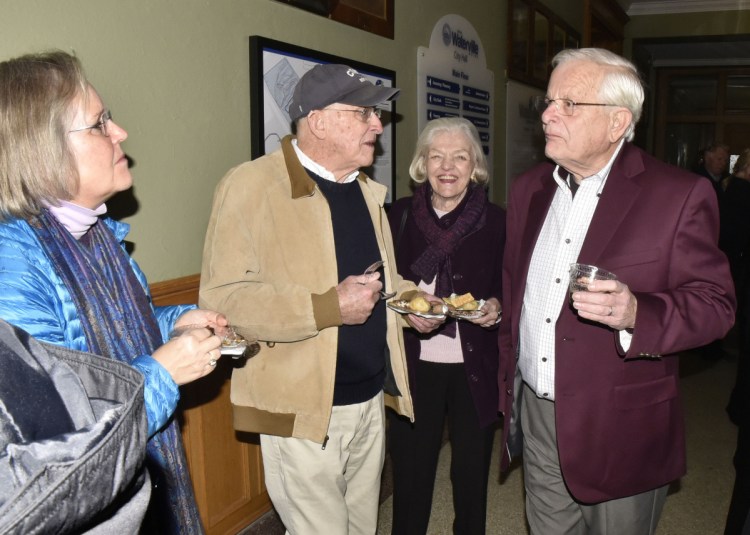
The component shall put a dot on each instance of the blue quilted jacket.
(35, 299)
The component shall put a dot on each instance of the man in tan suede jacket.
(289, 237)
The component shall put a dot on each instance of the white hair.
(621, 84)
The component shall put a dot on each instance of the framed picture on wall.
(540, 48)
(535, 35)
(524, 136)
(321, 7)
(275, 69)
(375, 16)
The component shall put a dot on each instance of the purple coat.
(619, 418)
(477, 268)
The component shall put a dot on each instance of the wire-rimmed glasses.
(364, 114)
(100, 125)
(564, 106)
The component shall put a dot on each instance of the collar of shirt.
(77, 219)
(600, 177)
(318, 169)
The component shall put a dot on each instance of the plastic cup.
(581, 275)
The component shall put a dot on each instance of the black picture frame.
(275, 67)
(319, 7)
(374, 16)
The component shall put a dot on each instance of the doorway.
(697, 91)
(698, 106)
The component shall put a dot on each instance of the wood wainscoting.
(226, 466)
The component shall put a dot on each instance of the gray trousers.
(550, 509)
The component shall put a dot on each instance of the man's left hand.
(610, 303)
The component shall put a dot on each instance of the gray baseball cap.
(325, 84)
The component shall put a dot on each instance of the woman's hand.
(426, 325)
(190, 355)
(202, 318)
(492, 311)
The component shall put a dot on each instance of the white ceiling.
(656, 7)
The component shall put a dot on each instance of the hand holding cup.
(582, 275)
(615, 307)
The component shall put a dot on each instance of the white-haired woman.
(449, 239)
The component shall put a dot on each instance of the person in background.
(449, 239)
(66, 278)
(734, 237)
(289, 239)
(735, 242)
(597, 371)
(714, 165)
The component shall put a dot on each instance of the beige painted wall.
(175, 74)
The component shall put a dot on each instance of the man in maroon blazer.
(596, 372)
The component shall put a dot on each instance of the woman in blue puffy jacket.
(65, 277)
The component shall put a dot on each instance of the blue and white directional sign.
(453, 79)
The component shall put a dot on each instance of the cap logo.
(352, 73)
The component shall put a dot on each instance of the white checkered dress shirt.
(558, 246)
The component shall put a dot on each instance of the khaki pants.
(333, 490)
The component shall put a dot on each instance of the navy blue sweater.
(360, 363)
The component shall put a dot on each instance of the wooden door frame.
(604, 25)
(720, 119)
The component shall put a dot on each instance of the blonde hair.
(37, 96)
(418, 168)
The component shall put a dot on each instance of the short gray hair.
(621, 84)
(418, 168)
(37, 166)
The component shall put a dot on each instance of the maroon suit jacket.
(620, 424)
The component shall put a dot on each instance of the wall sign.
(453, 79)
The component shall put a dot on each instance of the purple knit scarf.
(444, 234)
